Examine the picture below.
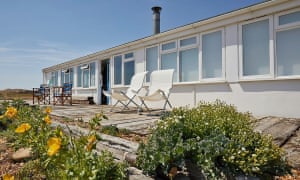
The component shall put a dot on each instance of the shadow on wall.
(274, 86)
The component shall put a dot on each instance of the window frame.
(271, 74)
(70, 73)
(170, 51)
(124, 59)
(223, 74)
(280, 28)
(80, 77)
(184, 48)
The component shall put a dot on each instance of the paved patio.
(127, 119)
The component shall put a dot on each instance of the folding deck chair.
(161, 82)
(42, 94)
(62, 94)
(125, 98)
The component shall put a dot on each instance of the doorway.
(105, 81)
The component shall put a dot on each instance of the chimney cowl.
(156, 19)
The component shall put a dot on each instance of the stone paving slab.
(138, 123)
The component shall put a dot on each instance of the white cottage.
(249, 58)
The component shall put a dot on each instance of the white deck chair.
(161, 82)
(125, 98)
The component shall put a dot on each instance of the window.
(188, 64)
(124, 68)
(289, 18)
(169, 61)
(188, 41)
(168, 46)
(255, 48)
(93, 74)
(86, 75)
(128, 71)
(287, 44)
(79, 76)
(117, 69)
(169, 58)
(188, 60)
(67, 76)
(212, 55)
(151, 61)
(54, 79)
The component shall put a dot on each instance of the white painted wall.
(267, 97)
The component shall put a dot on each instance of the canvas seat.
(42, 94)
(62, 94)
(125, 98)
(161, 82)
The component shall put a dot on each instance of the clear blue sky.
(35, 34)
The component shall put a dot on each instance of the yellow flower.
(48, 110)
(23, 128)
(8, 177)
(47, 119)
(11, 112)
(91, 141)
(53, 145)
(2, 116)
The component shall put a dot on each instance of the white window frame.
(278, 28)
(168, 52)
(124, 60)
(285, 26)
(271, 75)
(187, 47)
(223, 76)
(85, 67)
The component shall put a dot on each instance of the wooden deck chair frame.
(125, 98)
(161, 82)
(62, 94)
(42, 94)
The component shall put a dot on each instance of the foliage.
(56, 154)
(114, 130)
(215, 136)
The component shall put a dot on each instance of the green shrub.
(216, 137)
(57, 154)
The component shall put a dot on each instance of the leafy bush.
(58, 155)
(216, 137)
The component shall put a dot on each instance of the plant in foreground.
(57, 155)
(214, 136)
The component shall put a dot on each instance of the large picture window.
(255, 48)
(124, 68)
(189, 58)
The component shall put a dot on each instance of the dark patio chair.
(42, 94)
(62, 94)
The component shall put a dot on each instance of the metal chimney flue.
(156, 19)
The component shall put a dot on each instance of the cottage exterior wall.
(266, 96)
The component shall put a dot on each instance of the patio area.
(127, 119)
